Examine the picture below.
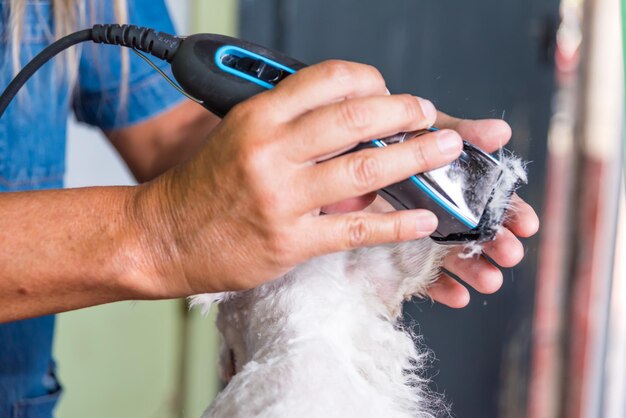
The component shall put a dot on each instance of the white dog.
(325, 340)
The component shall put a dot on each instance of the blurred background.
(552, 342)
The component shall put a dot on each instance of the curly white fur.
(325, 340)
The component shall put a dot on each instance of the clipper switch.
(255, 68)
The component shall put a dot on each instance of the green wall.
(125, 360)
(215, 16)
(142, 359)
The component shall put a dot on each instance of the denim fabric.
(32, 131)
(32, 157)
(97, 99)
(27, 380)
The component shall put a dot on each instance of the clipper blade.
(512, 175)
(470, 196)
(487, 186)
(483, 187)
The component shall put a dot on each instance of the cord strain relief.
(157, 44)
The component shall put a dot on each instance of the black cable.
(160, 45)
(37, 62)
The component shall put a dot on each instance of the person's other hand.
(246, 209)
(506, 249)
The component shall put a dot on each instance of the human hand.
(246, 208)
(506, 249)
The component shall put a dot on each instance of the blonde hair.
(69, 16)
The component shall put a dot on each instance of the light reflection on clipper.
(459, 193)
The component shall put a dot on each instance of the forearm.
(67, 249)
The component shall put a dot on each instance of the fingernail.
(426, 222)
(429, 111)
(449, 142)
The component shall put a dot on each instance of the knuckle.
(281, 249)
(355, 115)
(269, 203)
(241, 111)
(397, 229)
(337, 70)
(358, 231)
(419, 154)
(365, 170)
(254, 159)
(374, 76)
(344, 71)
(255, 171)
(410, 107)
(256, 111)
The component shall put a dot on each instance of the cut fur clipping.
(326, 340)
(508, 177)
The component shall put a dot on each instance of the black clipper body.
(469, 195)
(222, 71)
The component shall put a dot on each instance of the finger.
(380, 205)
(487, 134)
(350, 205)
(325, 83)
(335, 233)
(372, 169)
(449, 292)
(506, 250)
(340, 126)
(476, 272)
(521, 219)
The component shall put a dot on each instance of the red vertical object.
(588, 296)
(547, 322)
(578, 243)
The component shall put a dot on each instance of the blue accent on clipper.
(243, 53)
(433, 194)
(229, 50)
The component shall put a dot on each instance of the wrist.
(150, 258)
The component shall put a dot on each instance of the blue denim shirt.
(32, 157)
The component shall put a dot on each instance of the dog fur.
(325, 340)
